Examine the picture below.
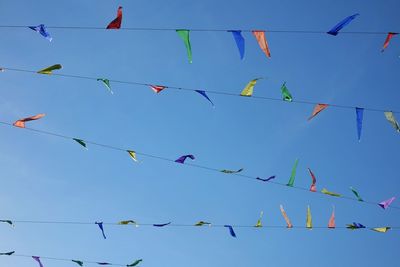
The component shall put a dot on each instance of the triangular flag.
(289, 224)
(116, 23)
(80, 141)
(36, 258)
(317, 109)
(240, 42)
(21, 123)
(100, 224)
(231, 171)
(293, 175)
(203, 93)
(49, 70)
(381, 229)
(286, 96)
(335, 30)
(248, 90)
(41, 29)
(356, 194)
(324, 191)
(184, 34)
(161, 224)
(135, 263)
(7, 221)
(157, 88)
(201, 223)
(313, 187)
(331, 223)
(183, 158)
(386, 203)
(262, 42)
(128, 222)
(231, 232)
(106, 82)
(390, 117)
(132, 154)
(360, 115)
(355, 226)
(80, 263)
(309, 218)
(259, 223)
(7, 253)
(387, 40)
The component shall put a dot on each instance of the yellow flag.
(50, 69)
(309, 219)
(259, 223)
(128, 222)
(248, 90)
(132, 154)
(381, 229)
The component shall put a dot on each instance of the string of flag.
(41, 259)
(182, 160)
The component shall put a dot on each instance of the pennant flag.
(317, 109)
(41, 29)
(161, 224)
(286, 96)
(231, 172)
(7, 221)
(49, 70)
(266, 180)
(324, 191)
(386, 203)
(80, 263)
(386, 43)
(289, 224)
(203, 93)
(293, 175)
(237, 35)
(103, 263)
(7, 253)
(157, 88)
(116, 23)
(390, 117)
(259, 223)
(21, 123)
(335, 30)
(184, 34)
(106, 82)
(80, 141)
(128, 222)
(313, 187)
(132, 154)
(201, 223)
(135, 263)
(354, 226)
(248, 90)
(183, 158)
(262, 42)
(36, 258)
(356, 194)
(381, 229)
(331, 223)
(230, 230)
(360, 114)
(309, 218)
(100, 224)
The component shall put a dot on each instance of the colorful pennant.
(135, 263)
(157, 88)
(37, 259)
(183, 158)
(7, 253)
(132, 154)
(161, 224)
(266, 180)
(21, 123)
(259, 223)
(355, 226)
(309, 218)
(289, 224)
(248, 90)
(41, 29)
(231, 232)
(49, 70)
(359, 119)
(313, 187)
(293, 175)
(381, 229)
(387, 40)
(356, 194)
(231, 171)
(332, 223)
(386, 203)
(286, 96)
(106, 83)
(116, 23)
(335, 30)
(128, 222)
(80, 263)
(240, 42)
(80, 141)
(390, 117)
(262, 42)
(317, 109)
(184, 34)
(201, 223)
(324, 191)
(100, 224)
(203, 93)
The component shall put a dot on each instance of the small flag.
(184, 34)
(49, 70)
(116, 23)
(335, 30)
(100, 224)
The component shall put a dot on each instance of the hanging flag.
(259, 223)
(116, 23)
(21, 123)
(360, 114)
(289, 224)
(161, 224)
(128, 222)
(80, 263)
(231, 232)
(331, 223)
(309, 218)
(386, 203)
(80, 141)
(354, 226)
(266, 180)
(231, 171)
(135, 263)
(36, 258)
(184, 34)
(237, 35)
(7, 221)
(157, 88)
(390, 117)
(317, 109)
(103, 263)
(41, 29)
(183, 158)
(203, 93)
(313, 187)
(100, 224)
(386, 43)
(335, 30)
(106, 83)
(7, 253)
(132, 154)
(248, 90)
(293, 175)
(286, 96)
(201, 223)
(262, 42)
(356, 194)
(49, 70)
(381, 229)
(324, 191)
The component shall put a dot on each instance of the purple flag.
(386, 203)
(183, 158)
(36, 258)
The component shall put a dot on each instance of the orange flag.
(289, 224)
(262, 41)
(21, 123)
(332, 223)
(318, 108)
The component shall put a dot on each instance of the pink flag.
(36, 258)
(262, 41)
(332, 223)
(313, 187)
(389, 36)
(386, 203)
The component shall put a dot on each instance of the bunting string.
(237, 173)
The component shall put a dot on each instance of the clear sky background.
(48, 178)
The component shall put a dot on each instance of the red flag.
(313, 187)
(116, 23)
(262, 41)
(389, 36)
(157, 88)
(318, 108)
(21, 123)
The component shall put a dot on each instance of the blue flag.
(100, 224)
(237, 35)
(335, 30)
(41, 29)
(230, 230)
(203, 93)
(359, 113)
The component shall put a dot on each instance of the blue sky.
(47, 178)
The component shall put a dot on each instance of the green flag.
(285, 93)
(184, 34)
(80, 263)
(356, 194)
(135, 263)
(80, 141)
(293, 175)
(106, 83)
